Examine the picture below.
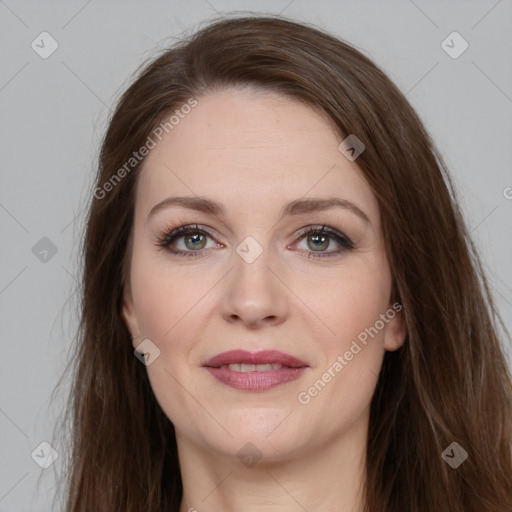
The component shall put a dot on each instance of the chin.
(263, 433)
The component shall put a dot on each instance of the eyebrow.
(296, 207)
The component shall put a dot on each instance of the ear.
(396, 328)
(129, 316)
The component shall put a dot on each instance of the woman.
(282, 308)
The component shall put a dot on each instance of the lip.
(262, 357)
(292, 369)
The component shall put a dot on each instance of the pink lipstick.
(255, 371)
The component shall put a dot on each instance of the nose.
(255, 296)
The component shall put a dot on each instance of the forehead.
(249, 148)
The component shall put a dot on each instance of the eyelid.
(345, 242)
(167, 234)
(324, 229)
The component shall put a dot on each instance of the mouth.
(255, 371)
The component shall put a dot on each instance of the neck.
(329, 477)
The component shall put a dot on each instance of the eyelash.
(168, 236)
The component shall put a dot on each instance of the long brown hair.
(448, 383)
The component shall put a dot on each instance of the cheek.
(353, 346)
(345, 301)
(163, 296)
(168, 307)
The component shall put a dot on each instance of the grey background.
(54, 111)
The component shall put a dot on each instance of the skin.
(255, 151)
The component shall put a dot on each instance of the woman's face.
(250, 278)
